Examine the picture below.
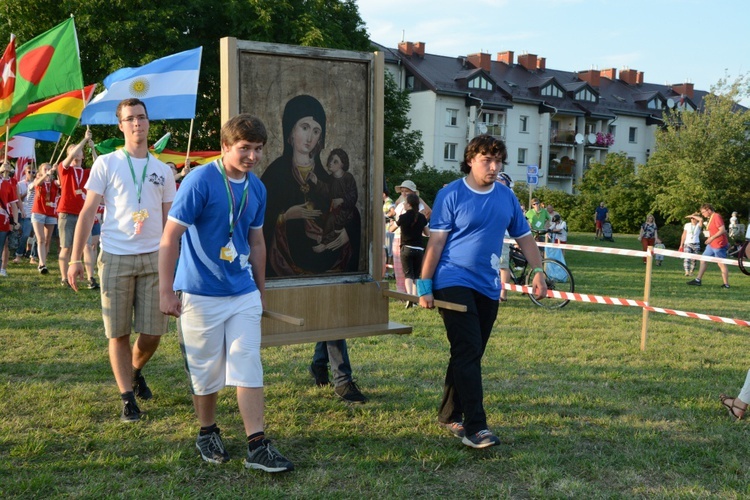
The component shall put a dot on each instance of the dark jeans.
(25, 233)
(468, 334)
(335, 352)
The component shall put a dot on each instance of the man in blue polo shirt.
(461, 265)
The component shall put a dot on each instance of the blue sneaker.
(482, 439)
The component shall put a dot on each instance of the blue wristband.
(424, 287)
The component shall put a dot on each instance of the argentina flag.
(168, 86)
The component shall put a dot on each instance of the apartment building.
(556, 120)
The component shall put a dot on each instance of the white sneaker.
(3, 272)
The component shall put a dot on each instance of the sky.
(671, 41)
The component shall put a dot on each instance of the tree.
(703, 157)
(115, 33)
(616, 183)
(402, 147)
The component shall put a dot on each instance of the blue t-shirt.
(476, 223)
(202, 205)
(601, 213)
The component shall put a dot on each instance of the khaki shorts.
(66, 226)
(130, 294)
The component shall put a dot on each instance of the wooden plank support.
(413, 298)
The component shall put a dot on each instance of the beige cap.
(408, 185)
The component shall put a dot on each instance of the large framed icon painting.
(323, 173)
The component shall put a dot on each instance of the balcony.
(496, 130)
(602, 140)
(562, 137)
(562, 167)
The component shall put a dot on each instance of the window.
(552, 91)
(524, 126)
(449, 153)
(633, 134)
(480, 83)
(410, 82)
(451, 117)
(586, 95)
(655, 103)
(612, 129)
(522, 156)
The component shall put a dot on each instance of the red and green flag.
(46, 120)
(8, 82)
(48, 65)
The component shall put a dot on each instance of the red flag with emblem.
(8, 82)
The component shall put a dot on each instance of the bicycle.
(557, 276)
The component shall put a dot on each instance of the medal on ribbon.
(139, 218)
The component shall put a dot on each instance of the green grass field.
(581, 410)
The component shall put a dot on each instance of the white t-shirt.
(693, 234)
(112, 178)
(561, 226)
(23, 194)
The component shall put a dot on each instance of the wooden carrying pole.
(413, 298)
(284, 318)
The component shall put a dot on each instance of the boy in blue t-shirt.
(218, 214)
(461, 264)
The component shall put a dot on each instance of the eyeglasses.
(129, 119)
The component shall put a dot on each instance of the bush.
(670, 235)
(430, 180)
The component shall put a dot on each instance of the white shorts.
(220, 340)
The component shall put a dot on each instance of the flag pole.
(55, 150)
(5, 146)
(190, 137)
(66, 142)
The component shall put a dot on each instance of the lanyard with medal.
(141, 215)
(228, 252)
(77, 180)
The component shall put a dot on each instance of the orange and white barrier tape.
(707, 317)
(598, 299)
(632, 253)
(587, 248)
(693, 256)
(579, 297)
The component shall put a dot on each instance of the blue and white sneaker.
(482, 439)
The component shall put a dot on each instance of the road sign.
(532, 170)
(532, 180)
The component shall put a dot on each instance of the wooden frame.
(274, 82)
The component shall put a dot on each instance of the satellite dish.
(579, 138)
(591, 138)
(670, 103)
(482, 128)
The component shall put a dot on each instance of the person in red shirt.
(44, 211)
(717, 244)
(72, 177)
(8, 210)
